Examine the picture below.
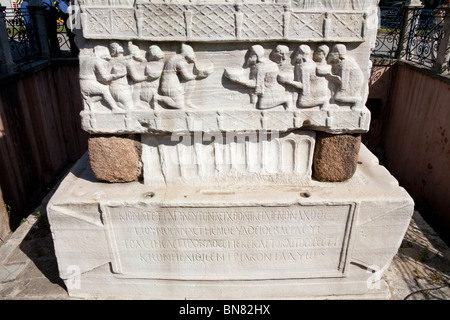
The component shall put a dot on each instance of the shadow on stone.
(422, 264)
(38, 246)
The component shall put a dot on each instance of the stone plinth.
(205, 242)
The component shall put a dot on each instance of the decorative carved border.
(221, 22)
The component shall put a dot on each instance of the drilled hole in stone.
(359, 162)
(305, 194)
(149, 195)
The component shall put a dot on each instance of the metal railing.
(427, 31)
(31, 34)
(414, 34)
(21, 36)
(389, 31)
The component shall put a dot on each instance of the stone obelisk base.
(324, 240)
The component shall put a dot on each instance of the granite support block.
(335, 156)
(115, 158)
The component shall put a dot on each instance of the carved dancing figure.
(348, 76)
(95, 78)
(178, 79)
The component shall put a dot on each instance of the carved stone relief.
(146, 80)
(313, 77)
(254, 20)
(232, 159)
(348, 76)
(174, 93)
(145, 58)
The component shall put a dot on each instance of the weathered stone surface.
(252, 65)
(115, 158)
(234, 160)
(335, 156)
(163, 242)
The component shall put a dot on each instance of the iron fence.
(427, 31)
(389, 32)
(424, 31)
(21, 35)
(63, 39)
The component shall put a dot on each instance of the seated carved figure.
(347, 75)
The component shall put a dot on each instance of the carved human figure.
(305, 73)
(178, 79)
(323, 70)
(237, 76)
(263, 79)
(280, 55)
(153, 70)
(309, 77)
(95, 78)
(347, 75)
(120, 88)
(135, 65)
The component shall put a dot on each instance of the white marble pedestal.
(321, 240)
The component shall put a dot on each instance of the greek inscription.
(226, 230)
(223, 215)
(229, 257)
(312, 242)
(215, 242)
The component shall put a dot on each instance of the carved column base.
(335, 156)
(115, 158)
